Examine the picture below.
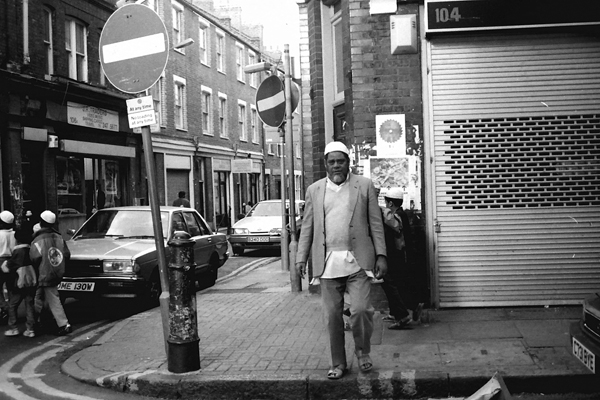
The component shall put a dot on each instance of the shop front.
(70, 151)
(514, 134)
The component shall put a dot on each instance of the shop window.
(69, 180)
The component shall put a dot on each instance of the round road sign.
(270, 101)
(134, 48)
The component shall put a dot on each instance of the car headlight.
(275, 231)
(125, 266)
(241, 231)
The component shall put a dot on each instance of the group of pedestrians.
(32, 264)
(352, 241)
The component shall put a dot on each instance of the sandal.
(336, 372)
(402, 324)
(364, 362)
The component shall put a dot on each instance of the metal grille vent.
(545, 161)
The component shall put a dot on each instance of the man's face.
(337, 166)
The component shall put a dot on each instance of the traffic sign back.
(270, 101)
(134, 48)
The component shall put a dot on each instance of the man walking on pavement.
(395, 282)
(343, 226)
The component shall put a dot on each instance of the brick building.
(65, 132)
(490, 122)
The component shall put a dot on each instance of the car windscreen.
(266, 210)
(121, 224)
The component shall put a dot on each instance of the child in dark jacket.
(49, 254)
(20, 258)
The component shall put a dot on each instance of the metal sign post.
(134, 49)
(295, 281)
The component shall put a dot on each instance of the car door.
(203, 246)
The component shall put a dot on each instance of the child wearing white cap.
(7, 244)
(49, 254)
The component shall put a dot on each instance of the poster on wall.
(391, 135)
(402, 168)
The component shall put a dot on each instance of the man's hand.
(380, 267)
(301, 269)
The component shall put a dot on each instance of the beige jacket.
(363, 220)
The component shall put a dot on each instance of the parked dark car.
(113, 254)
(261, 228)
(585, 334)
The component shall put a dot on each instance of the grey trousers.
(358, 287)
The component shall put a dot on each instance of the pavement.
(258, 340)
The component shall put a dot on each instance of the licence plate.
(584, 355)
(258, 238)
(77, 286)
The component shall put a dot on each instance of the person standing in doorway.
(181, 201)
(395, 282)
(49, 254)
(100, 197)
(342, 225)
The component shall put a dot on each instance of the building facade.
(64, 133)
(488, 119)
(66, 144)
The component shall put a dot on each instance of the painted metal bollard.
(183, 349)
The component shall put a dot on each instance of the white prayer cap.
(48, 216)
(336, 146)
(394, 193)
(7, 217)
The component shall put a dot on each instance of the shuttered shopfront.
(516, 131)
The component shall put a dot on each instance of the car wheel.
(238, 251)
(209, 278)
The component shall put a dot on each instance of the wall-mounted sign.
(92, 117)
(465, 15)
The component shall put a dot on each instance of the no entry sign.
(270, 101)
(134, 48)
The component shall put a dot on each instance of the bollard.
(183, 351)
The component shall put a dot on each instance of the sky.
(279, 19)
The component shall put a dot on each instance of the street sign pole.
(134, 50)
(295, 281)
(158, 235)
(285, 266)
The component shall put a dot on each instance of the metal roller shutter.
(517, 168)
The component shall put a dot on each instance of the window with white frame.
(271, 148)
(48, 42)
(76, 46)
(203, 40)
(180, 102)
(223, 115)
(239, 61)
(242, 120)
(178, 32)
(253, 78)
(298, 155)
(220, 51)
(206, 110)
(338, 59)
(254, 123)
(157, 91)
